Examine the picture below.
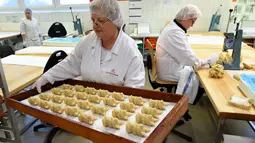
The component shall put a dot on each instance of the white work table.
(8, 35)
(43, 50)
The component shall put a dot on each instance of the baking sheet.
(122, 131)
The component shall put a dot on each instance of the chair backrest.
(153, 60)
(54, 59)
(5, 51)
(57, 30)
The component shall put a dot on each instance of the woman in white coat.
(174, 56)
(107, 55)
(29, 30)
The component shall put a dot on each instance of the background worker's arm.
(23, 32)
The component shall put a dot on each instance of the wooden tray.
(158, 135)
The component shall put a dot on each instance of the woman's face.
(28, 15)
(102, 26)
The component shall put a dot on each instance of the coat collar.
(179, 24)
(116, 46)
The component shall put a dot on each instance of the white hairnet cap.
(188, 12)
(109, 8)
(28, 10)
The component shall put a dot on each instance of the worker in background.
(107, 55)
(174, 56)
(29, 30)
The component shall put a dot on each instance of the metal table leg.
(220, 130)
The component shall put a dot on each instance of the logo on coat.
(112, 72)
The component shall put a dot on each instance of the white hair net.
(109, 8)
(28, 10)
(188, 12)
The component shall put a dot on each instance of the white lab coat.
(31, 30)
(174, 60)
(123, 67)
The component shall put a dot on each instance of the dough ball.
(67, 86)
(217, 71)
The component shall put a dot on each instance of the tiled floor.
(202, 127)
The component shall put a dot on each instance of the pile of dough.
(225, 57)
(45, 104)
(136, 129)
(34, 100)
(45, 96)
(151, 111)
(136, 100)
(121, 114)
(94, 99)
(57, 91)
(158, 104)
(72, 111)
(70, 101)
(112, 122)
(84, 105)
(217, 71)
(237, 77)
(91, 90)
(67, 86)
(103, 93)
(118, 96)
(145, 119)
(79, 88)
(87, 118)
(110, 102)
(98, 110)
(57, 108)
(57, 99)
(130, 107)
(81, 95)
(68, 93)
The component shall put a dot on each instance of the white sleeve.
(22, 27)
(68, 68)
(179, 48)
(135, 76)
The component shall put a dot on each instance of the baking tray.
(78, 128)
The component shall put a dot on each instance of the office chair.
(157, 83)
(57, 30)
(5, 51)
(54, 59)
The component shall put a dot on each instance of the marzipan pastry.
(98, 110)
(112, 122)
(70, 101)
(68, 93)
(103, 93)
(91, 90)
(94, 99)
(151, 111)
(84, 104)
(87, 118)
(57, 99)
(145, 119)
(45, 104)
(137, 100)
(81, 95)
(72, 111)
(121, 114)
(34, 100)
(57, 108)
(57, 91)
(45, 96)
(130, 107)
(110, 102)
(136, 129)
(67, 86)
(118, 96)
(79, 88)
(159, 104)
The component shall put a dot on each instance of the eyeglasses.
(99, 22)
(192, 22)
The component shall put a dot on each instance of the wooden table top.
(18, 76)
(220, 90)
(7, 35)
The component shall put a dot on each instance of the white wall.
(152, 12)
